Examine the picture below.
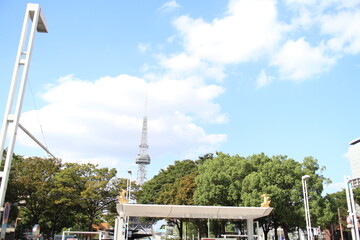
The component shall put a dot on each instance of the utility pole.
(340, 224)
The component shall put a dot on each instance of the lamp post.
(306, 206)
(128, 187)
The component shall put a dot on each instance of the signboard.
(349, 222)
(36, 231)
(317, 231)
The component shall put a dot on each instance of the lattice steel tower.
(143, 158)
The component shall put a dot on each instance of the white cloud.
(171, 39)
(169, 6)
(144, 47)
(344, 29)
(337, 20)
(249, 30)
(179, 63)
(100, 121)
(297, 60)
(263, 79)
(187, 96)
(184, 65)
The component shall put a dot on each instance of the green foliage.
(57, 196)
(174, 185)
(280, 178)
(31, 181)
(87, 187)
(168, 185)
(220, 179)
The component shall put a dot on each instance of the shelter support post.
(250, 228)
(208, 225)
(119, 231)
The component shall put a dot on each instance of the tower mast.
(143, 158)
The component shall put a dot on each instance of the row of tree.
(44, 191)
(55, 195)
(226, 180)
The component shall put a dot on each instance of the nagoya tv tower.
(143, 158)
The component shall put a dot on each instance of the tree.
(90, 189)
(173, 185)
(163, 187)
(220, 179)
(30, 184)
(219, 183)
(237, 181)
(280, 178)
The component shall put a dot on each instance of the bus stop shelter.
(186, 211)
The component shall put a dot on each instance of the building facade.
(354, 157)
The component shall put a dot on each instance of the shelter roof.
(188, 211)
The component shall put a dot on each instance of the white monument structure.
(35, 22)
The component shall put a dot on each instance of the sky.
(240, 77)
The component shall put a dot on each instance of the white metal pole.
(356, 224)
(350, 210)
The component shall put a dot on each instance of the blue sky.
(239, 76)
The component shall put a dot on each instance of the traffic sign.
(6, 212)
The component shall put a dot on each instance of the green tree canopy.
(31, 182)
(220, 179)
(89, 188)
(166, 187)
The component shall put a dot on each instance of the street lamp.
(306, 206)
(128, 187)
